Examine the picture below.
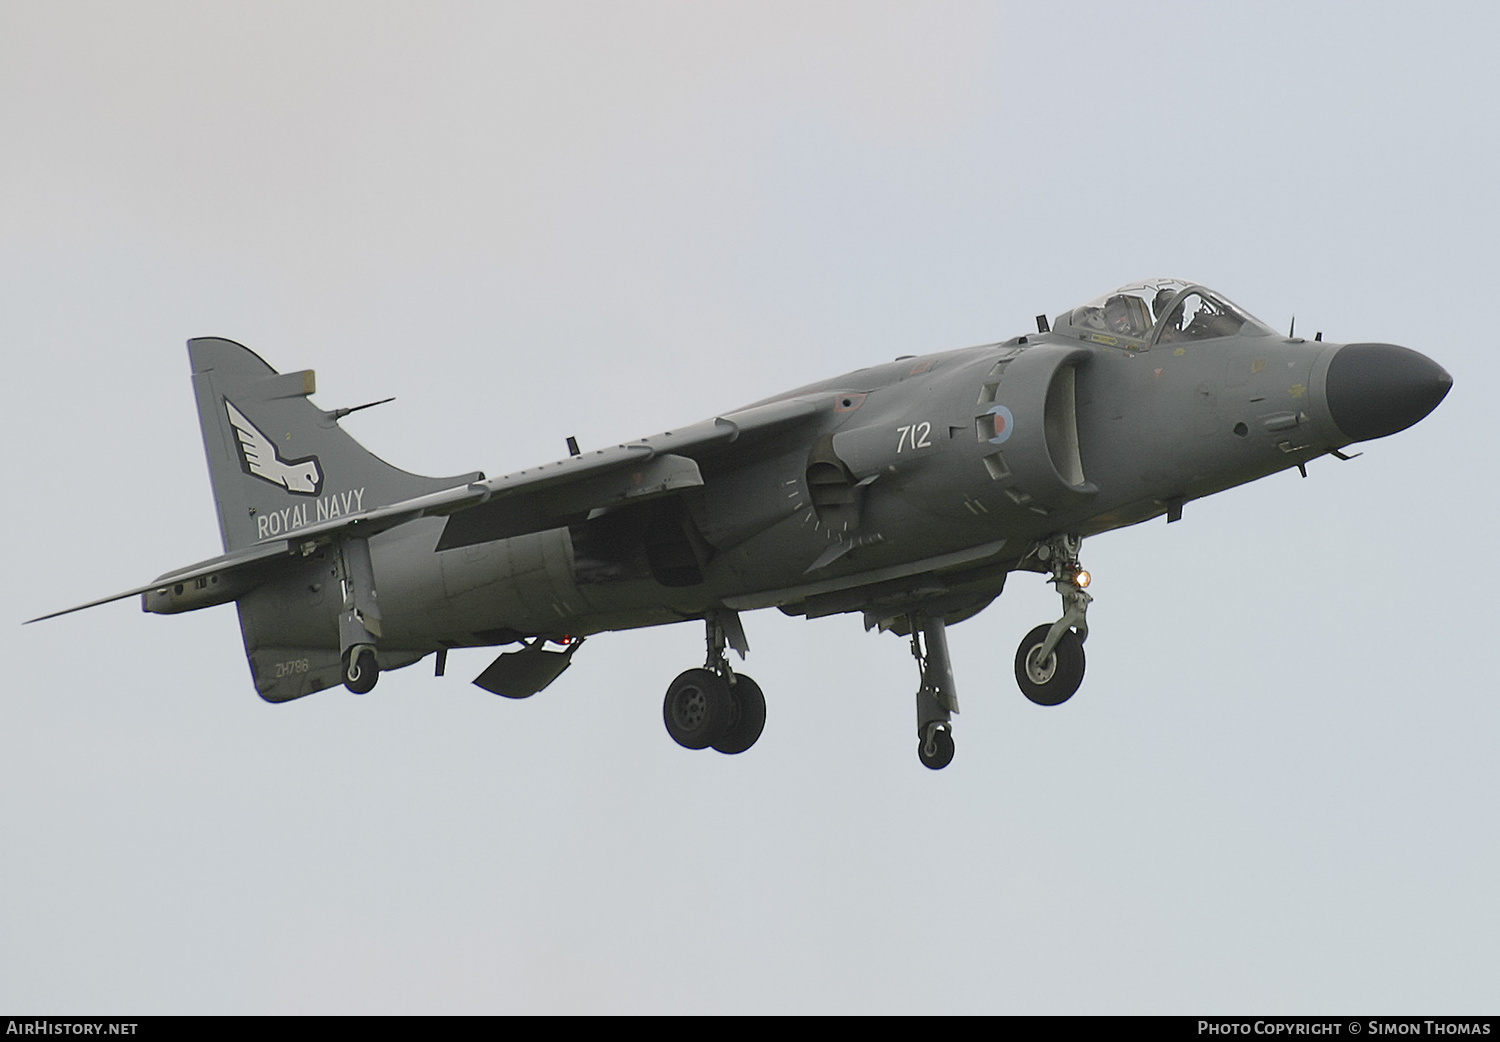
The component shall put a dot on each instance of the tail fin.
(277, 461)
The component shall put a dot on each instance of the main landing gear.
(714, 707)
(1050, 660)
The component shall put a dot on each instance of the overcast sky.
(1277, 788)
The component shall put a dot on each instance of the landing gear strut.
(359, 622)
(937, 698)
(714, 707)
(1050, 660)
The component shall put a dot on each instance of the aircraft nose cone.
(1379, 389)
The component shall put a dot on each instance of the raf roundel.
(1003, 421)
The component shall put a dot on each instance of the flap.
(539, 506)
(569, 490)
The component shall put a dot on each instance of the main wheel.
(698, 709)
(361, 670)
(941, 754)
(1050, 681)
(749, 716)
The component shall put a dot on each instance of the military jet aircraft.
(906, 492)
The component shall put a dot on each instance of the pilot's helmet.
(1088, 317)
(1162, 299)
(1117, 314)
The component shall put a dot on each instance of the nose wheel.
(1050, 679)
(1050, 661)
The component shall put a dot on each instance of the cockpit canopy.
(1158, 311)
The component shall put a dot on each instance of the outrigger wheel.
(935, 749)
(937, 699)
(361, 671)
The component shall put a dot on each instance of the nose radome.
(1379, 389)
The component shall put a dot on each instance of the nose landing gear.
(1049, 678)
(1050, 660)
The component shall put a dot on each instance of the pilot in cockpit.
(1125, 315)
(1173, 325)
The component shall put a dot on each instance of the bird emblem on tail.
(258, 457)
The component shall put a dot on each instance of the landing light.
(1081, 579)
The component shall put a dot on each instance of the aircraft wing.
(549, 496)
(573, 489)
(570, 489)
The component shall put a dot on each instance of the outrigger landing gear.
(937, 698)
(359, 623)
(714, 707)
(1050, 660)
(360, 669)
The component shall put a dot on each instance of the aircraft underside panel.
(524, 584)
(282, 674)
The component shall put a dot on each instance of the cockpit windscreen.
(1159, 311)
